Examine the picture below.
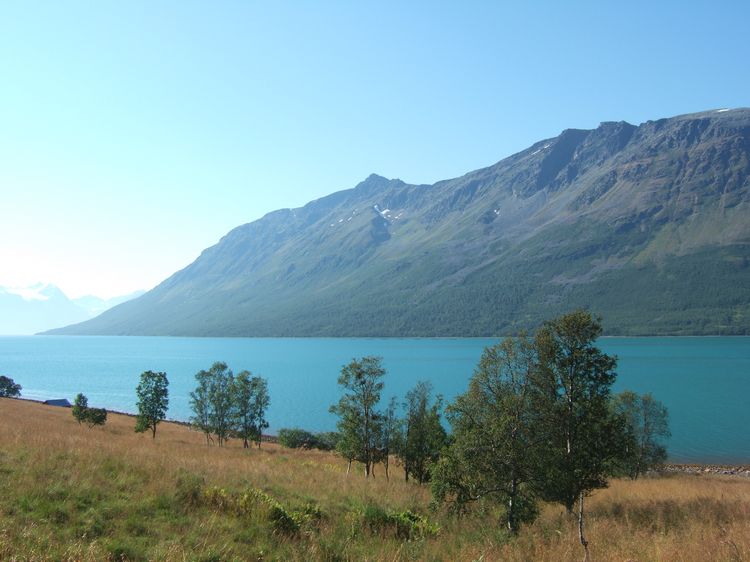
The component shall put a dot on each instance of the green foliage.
(255, 502)
(296, 438)
(200, 404)
(647, 422)
(213, 403)
(8, 388)
(251, 400)
(326, 440)
(391, 436)
(153, 401)
(283, 521)
(423, 435)
(224, 405)
(80, 406)
(95, 416)
(359, 421)
(90, 416)
(536, 422)
(492, 455)
(221, 401)
(579, 435)
(402, 525)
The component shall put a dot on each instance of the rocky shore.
(742, 471)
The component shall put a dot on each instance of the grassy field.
(73, 493)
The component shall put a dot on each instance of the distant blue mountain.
(40, 307)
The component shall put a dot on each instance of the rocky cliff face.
(647, 225)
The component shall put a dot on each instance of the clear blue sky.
(135, 134)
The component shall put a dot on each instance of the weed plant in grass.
(70, 494)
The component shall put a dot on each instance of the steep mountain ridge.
(647, 225)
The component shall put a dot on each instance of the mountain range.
(647, 225)
(42, 306)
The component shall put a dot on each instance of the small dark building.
(62, 402)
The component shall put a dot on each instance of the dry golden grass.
(73, 493)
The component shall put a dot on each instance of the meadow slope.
(74, 493)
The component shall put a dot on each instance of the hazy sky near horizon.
(135, 134)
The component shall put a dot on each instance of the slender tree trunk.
(153, 431)
(581, 536)
(245, 444)
(512, 524)
(386, 469)
(366, 436)
(348, 468)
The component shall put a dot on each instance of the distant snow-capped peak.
(35, 292)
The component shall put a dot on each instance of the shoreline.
(694, 468)
(264, 438)
(697, 469)
(496, 337)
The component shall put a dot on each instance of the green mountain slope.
(647, 225)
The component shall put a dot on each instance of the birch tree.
(201, 405)
(221, 401)
(359, 420)
(424, 436)
(251, 399)
(153, 400)
(580, 435)
(492, 454)
(647, 422)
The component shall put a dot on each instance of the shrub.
(90, 416)
(375, 519)
(403, 525)
(282, 521)
(296, 438)
(326, 441)
(411, 525)
(218, 498)
(95, 416)
(254, 501)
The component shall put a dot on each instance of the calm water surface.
(704, 382)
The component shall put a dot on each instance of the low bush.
(296, 438)
(255, 502)
(326, 441)
(403, 525)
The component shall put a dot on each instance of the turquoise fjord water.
(705, 382)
